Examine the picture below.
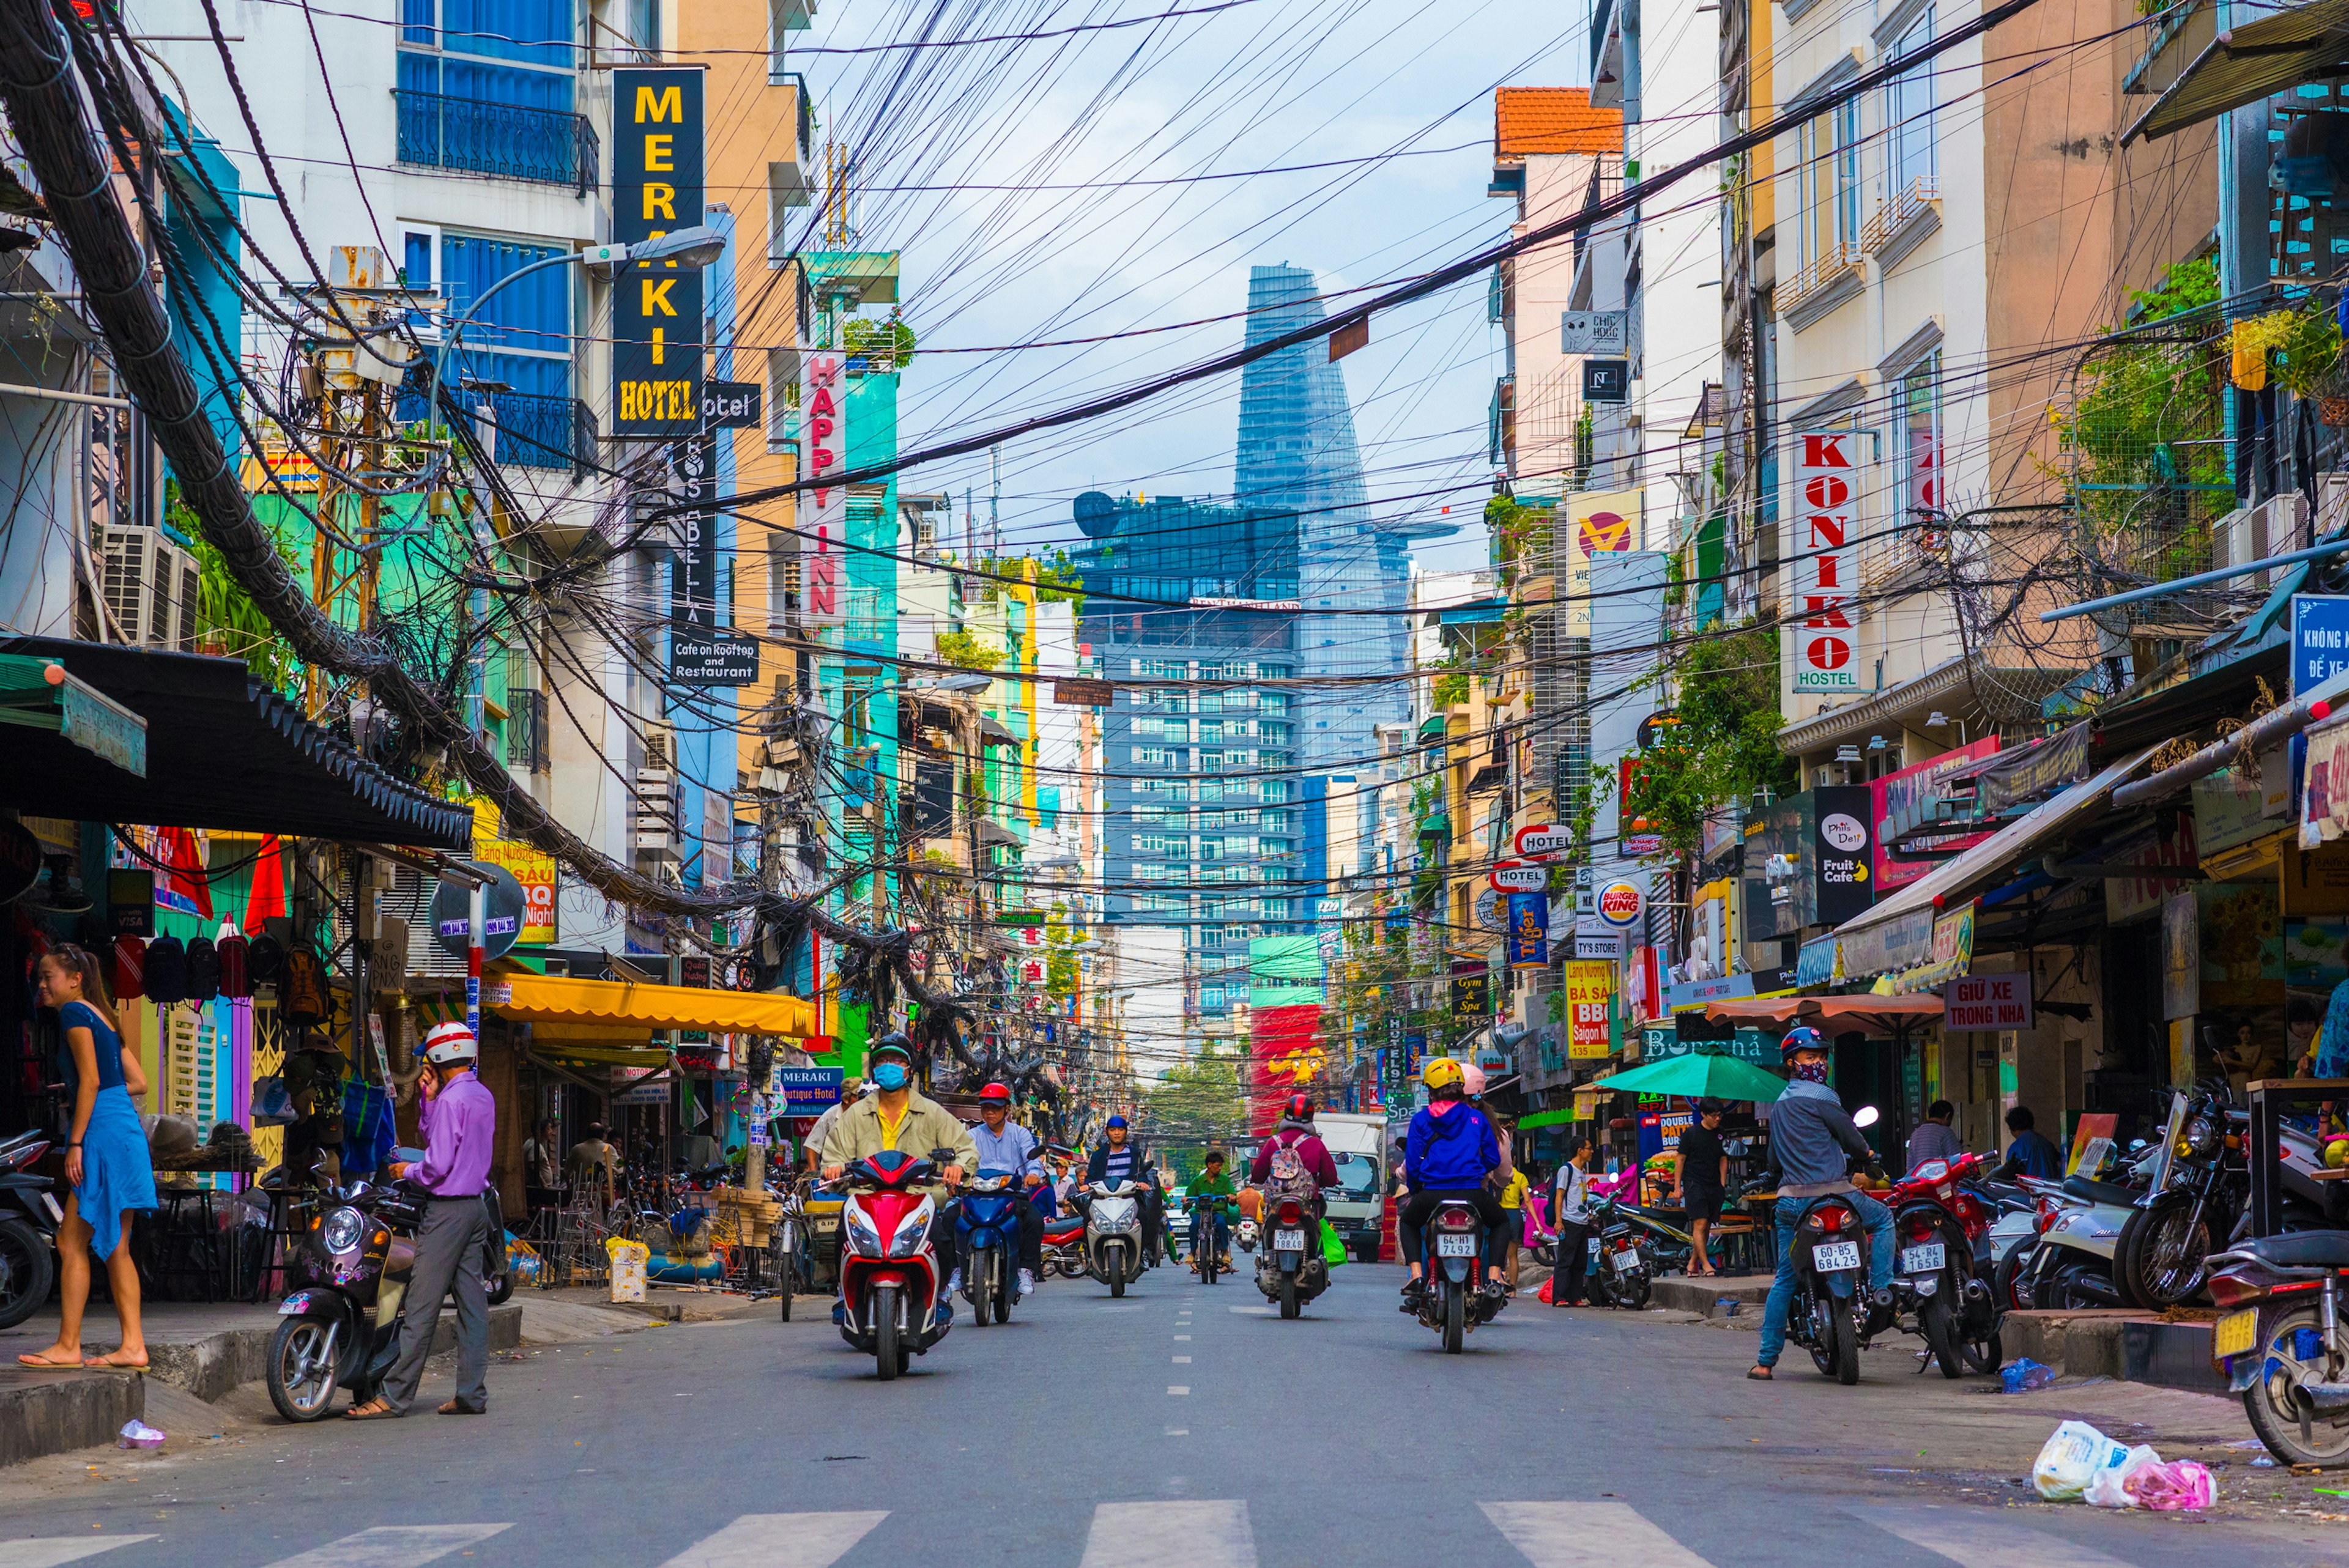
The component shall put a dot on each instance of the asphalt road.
(1183, 1425)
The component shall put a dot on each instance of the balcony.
(539, 431)
(1899, 225)
(1819, 287)
(544, 146)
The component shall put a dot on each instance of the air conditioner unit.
(660, 747)
(150, 586)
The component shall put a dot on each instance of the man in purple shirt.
(459, 1118)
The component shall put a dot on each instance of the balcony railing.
(544, 146)
(537, 430)
(1837, 262)
(1892, 217)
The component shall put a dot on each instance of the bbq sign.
(1827, 562)
(658, 146)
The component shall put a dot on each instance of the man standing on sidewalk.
(1570, 1211)
(460, 1121)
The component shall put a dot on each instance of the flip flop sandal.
(1762, 1375)
(43, 1364)
(357, 1414)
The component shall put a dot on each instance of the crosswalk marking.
(1978, 1538)
(49, 1550)
(392, 1546)
(1587, 1536)
(1170, 1535)
(780, 1540)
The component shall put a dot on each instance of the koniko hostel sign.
(823, 443)
(658, 152)
(1827, 562)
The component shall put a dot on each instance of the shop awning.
(2246, 63)
(993, 834)
(1898, 932)
(1886, 1015)
(222, 751)
(992, 733)
(614, 1012)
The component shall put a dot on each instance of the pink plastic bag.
(2173, 1485)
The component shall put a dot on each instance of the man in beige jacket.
(894, 1117)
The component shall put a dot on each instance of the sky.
(965, 158)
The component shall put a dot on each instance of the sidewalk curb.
(67, 1410)
(1703, 1297)
(212, 1366)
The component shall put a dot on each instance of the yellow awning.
(2249, 61)
(615, 1009)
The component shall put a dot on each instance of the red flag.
(268, 898)
(185, 868)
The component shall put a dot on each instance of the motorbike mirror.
(1865, 1116)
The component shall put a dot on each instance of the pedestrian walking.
(1512, 1212)
(1570, 1206)
(1934, 1140)
(107, 1163)
(460, 1123)
(1701, 1176)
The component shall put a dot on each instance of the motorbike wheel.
(2011, 1282)
(980, 1280)
(2294, 1435)
(886, 1362)
(2069, 1295)
(2161, 1259)
(26, 1267)
(1289, 1307)
(501, 1288)
(1117, 1279)
(301, 1391)
(1546, 1255)
(1206, 1256)
(1456, 1317)
(1630, 1294)
(1842, 1337)
(1938, 1325)
(1003, 1299)
(786, 1267)
(1985, 1354)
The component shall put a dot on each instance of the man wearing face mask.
(894, 1117)
(1813, 1144)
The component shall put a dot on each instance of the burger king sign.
(1620, 904)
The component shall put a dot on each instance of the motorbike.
(1205, 1210)
(1622, 1259)
(1064, 1245)
(2281, 1344)
(1830, 1255)
(1243, 1235)
(889, 1280)
(339, 1326)
(1454, 1245)
(987, 1222)
(1290, 1270)
(2079, 1232)
(1112, 1252)
(1944, 1271)
(2198, 1203)
(30, 1217)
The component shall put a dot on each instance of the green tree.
(964, 651)
(1199, 1101)
(1725, 746)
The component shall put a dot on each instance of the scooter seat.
(2102, 1191)
(2302, 1249)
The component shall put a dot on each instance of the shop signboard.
(809, 1091)
(2325, 784)
(1827, 562)
(2037, 770)
(2140, 896)
(1542, 840)
(530, 866)
(1529, 931)
(1883, 945)
(1590, 991)
(657, 150)
(1816, 964)
(1974, 1002)
(1605, 946)
(2236, 804)
(1598, 523)
(1472, 990)
(1807, 864)
(1621, 903)
(1746, 1046)
(2320, 639)
(824, 540)
(1517, 876)
(1904, 802)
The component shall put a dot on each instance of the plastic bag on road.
(2173, 1487)
(2023, 1373)
(137, 1434)
(2070, 1460)
(2114, 1485)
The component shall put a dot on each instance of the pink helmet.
(1472, 1079)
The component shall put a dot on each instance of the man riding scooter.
(1447, 1153)
(1813, 1143)
(1119, 1159)
(1005, 1146)
(894, 1117)
(1214, 1201)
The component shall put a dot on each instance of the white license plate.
(1288, 1241)
(1627, 1257)
(1455, 1246)
(1834, 1257)
(1925, 1259)
(1593, 1246)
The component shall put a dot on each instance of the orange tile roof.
(1552, 119)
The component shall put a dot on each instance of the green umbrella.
(1697, 1076)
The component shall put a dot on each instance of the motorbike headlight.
(914, 1230)
(2201, 1135)
(863, 1237)
(342, 1231)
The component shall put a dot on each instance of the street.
(1183, 1425)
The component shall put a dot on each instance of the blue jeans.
(1875, 1216)
(1201, 1220)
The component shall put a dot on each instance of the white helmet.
(451, 1045)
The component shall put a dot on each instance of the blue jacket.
(1449, 1153)
(1813, 1140)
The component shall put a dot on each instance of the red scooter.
(1941, 1228)
(889, 1281)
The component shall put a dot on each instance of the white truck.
(1358, 1144)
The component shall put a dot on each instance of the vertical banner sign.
(1529, 931)
(1598, 523)
(693, 570)
(657, 147)
(1590, 991)
(824, 442)
(1826, 563)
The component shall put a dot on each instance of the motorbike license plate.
(1627, 1257)
(2237, 1332)
(1455, 1246)
(1925, 1259)
(1288, 1241)
(1834, 1257)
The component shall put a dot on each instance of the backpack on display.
(264, 960)
(235, 967)
(302, 999)
(167, 972)
(129, 968)
(203, 965)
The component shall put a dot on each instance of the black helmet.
(893, 1042)
(1299, 1107)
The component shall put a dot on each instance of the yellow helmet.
(1440, 1072)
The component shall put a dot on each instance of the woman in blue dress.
(107, 1162)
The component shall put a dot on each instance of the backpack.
(129, 968)
(235, 967)
(204, 970)
(302, 999)
(167, 972)
(265, 961)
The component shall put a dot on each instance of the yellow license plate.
(2237, 1332)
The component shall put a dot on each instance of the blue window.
(521, 339)
(417, 272)
(474, 81)
(537, 32)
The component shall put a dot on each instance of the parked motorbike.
(30, 1217)
(888, 1264)
(2080, 1232)
(339, 1326)
(1064, 1245)
(1290, 1270)
(987, 1222)
(1453, 1246)
(1113, 1234)
(2198, 1203)
(1623, 1264)
(1941, 1227)
(2282, 1343)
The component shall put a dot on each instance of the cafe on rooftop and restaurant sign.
(658, 155)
